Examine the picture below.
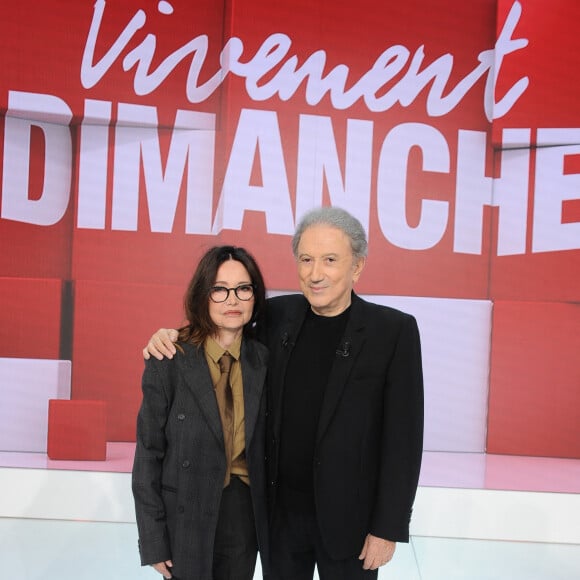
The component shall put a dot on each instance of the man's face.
(327, 269)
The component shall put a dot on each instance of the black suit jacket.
(370, 433)
(180, 464)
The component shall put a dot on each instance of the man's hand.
(161, 344)
(164, 568)
(376, 552)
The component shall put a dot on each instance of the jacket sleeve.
(148, 465)
(402, 438)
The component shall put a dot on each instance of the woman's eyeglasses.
(221, 293)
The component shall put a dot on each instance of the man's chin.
(315, 299)
(320, 307)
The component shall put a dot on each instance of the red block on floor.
(77, 430)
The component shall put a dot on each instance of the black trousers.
(236, 546)
(297, 548)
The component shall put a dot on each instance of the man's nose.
(316, 273)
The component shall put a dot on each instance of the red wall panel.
(30, 317)
(112, 322)
(550, 61)
(534, 403)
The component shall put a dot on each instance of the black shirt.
(304, 386)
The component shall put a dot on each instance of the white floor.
(476, 517)
(66, 550)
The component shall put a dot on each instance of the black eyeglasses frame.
(235, 291)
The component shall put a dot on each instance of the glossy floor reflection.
(51, 549)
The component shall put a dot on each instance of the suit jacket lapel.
(253, 375)
(280, 351)
(197, 378)
(354, 335)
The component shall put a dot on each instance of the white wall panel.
(26, 385)
(455, 340)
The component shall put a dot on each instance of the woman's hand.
(164, 568)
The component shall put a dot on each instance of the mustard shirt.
(213, 352)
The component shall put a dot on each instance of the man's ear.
(359, 265)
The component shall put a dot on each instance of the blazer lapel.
(253, 375)
(196, 375)
(280, 351)
(351, 344)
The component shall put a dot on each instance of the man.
(345, 393)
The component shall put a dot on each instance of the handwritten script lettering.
(377, 87)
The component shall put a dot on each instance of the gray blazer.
(180, 464)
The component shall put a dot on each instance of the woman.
(198, 475)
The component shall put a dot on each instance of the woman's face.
(231, 315)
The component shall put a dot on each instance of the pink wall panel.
(534, 403)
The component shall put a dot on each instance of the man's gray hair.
(335, 217)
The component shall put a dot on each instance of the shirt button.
(181, 417)
(185, 464)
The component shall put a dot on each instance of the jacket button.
(181, 417)
(185, 464)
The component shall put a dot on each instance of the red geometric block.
(77, 430)
(534, 399)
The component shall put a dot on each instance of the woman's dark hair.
(196, 300)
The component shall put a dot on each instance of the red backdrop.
(132, 140)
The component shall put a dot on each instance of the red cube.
(77, 430)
